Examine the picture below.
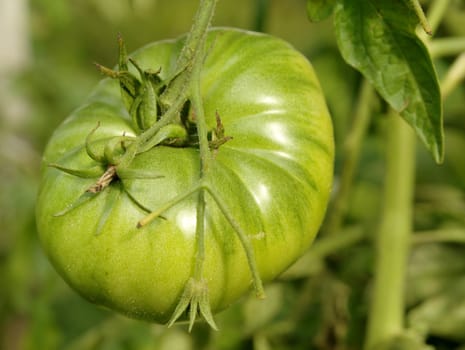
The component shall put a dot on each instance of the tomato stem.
(447, 46)
(181, 85)
(192, 54)
(201, 123)
(454, 76)
(200, 236)
(436, 12)
(421, 16)
(352, 149)
(443, 235)
(386, 317)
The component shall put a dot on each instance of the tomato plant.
(140, 222)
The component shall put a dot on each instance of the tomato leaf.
(318, 10)
(378, 39)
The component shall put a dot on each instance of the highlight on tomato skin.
(270, 179)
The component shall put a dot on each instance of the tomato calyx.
(104, 181)
(112, 182)
(145, 100)
(110, 172)
(149, 99)
(139, 95)
(195, 296)
(194, 301)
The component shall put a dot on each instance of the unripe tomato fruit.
(274, 176)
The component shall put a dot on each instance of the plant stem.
(352, 148)
(200, 119)
(261, 11)
(200, 236)
(189, 61)
(332, 244)
(421, 16)
(386, 317)
(445, 235)
(455, 75)
(310, 263)
(192, 53)
(446, 46)
(436, 13)
(201, 123)
(197, 35)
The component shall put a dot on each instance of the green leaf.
(318, 10)
(378, 38)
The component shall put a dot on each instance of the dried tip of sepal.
(107, 71)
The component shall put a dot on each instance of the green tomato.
(273, 177)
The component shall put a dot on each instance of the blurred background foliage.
(46, 52)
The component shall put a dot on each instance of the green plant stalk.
(261, 12)
(436, 13)
(421, 16)
(352, 148)
(446, 46)
(445, 235)
(386, 316)
(205, 153)
(454, 76)
(194, 69)
(190, 59)
(192, 53)
(332, 244)
(311, 263)
(200, 236)
(183, 86)
(199, 113)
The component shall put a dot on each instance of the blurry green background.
(47, 48)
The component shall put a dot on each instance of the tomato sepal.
(194, 300)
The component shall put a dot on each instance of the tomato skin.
(274, 176)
